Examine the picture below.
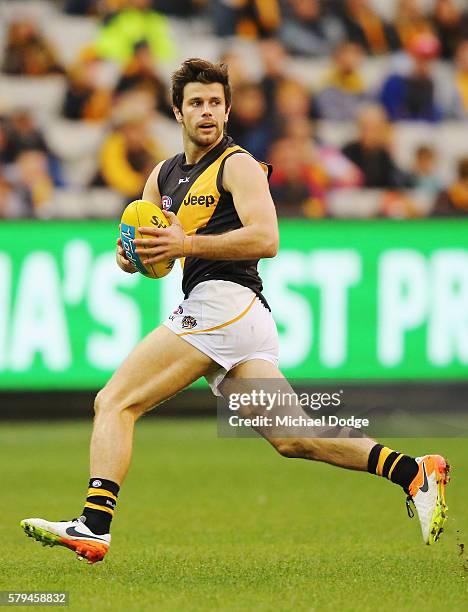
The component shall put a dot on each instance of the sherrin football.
(142, 213)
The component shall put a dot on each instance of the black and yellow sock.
(400, 469)
(100, 504)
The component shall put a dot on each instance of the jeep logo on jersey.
(203, 200)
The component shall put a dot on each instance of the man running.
(222, 221)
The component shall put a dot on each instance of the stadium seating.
(355, 203)
(446, 138)
(166, 132)
(76, 144)
(69, 35)
(336, 133)
(75, 203)
(103, 202)
(39, 10)
(71, 140)
(43, 95)
(66, 204)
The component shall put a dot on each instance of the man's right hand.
(122, 260)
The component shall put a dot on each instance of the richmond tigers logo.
(189, 322)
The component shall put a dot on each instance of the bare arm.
(246, 181)
(151, 190)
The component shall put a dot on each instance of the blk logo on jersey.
(166, 202)
(203, 200)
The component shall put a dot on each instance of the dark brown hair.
(197, 70)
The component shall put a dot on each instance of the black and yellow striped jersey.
(195, 194)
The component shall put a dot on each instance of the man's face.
(204, 113)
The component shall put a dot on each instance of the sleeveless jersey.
(195, 194)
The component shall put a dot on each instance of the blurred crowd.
(119, 83)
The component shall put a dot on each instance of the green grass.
(219, 524)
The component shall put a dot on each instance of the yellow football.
(141, 213)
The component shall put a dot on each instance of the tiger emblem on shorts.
(189, 322)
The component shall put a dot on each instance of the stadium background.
(360, 106)
(369, 289)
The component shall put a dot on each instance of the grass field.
(220, 524)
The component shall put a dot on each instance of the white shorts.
(227, 322)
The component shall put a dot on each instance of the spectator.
(410, 21)
(424, 175)
(318, 169)
(134, 103)
(4, 137)
(297, 188)
(454, 201)
(33, 180)
(134, 23)
(460, 93)
(104, 9)
(343, 90)
(85, 98)
(450, 24)
(247, 18)
(179, 8)
(81, 7)
(27, 52)
(127, 157)
(11, 204)
(306, 31)
(404, 204)
(292, 100)
(341, 172)
(248, 123)
(141, 73)
(413, 96)
(176, 8)
(275, 69)
(367, 28)
(371, 151)
(235, 62)
(24, 135)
